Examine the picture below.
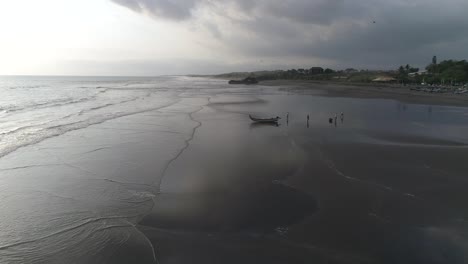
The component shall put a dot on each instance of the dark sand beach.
(182, 175)
(370, 90)
(385, 185)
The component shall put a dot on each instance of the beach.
(371, 90)
(172, 170)
(354, 193)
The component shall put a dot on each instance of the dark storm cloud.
(341, 31)
(402, 33)
(305, 11)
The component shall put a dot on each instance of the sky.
(159, 37)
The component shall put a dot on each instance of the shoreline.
(235, 192)
(378, 91)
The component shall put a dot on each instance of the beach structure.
(413, 74)
(316, 70)
(384, 79)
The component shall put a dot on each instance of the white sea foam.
(87, 200)
(32, 113)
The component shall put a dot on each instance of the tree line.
(446, 72)
(451, 72)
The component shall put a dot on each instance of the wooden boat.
(265, 120)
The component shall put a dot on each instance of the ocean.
(53, 210)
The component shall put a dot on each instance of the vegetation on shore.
(447, 72)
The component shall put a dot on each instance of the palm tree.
(401, 70)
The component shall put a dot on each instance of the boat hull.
(241, 82)
(264, 120)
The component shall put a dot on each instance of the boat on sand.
(265, 120)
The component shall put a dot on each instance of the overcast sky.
(155, 37)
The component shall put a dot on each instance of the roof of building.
(384, 79)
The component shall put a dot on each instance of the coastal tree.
(407, 69)
(448, 71)
(401, 70)
(431, 68)
(351, 70)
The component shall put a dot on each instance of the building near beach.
(316, 70)
(384, 79)
(412, 74)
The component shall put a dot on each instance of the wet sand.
(77, 197)
(383, 91)
(317, 193)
